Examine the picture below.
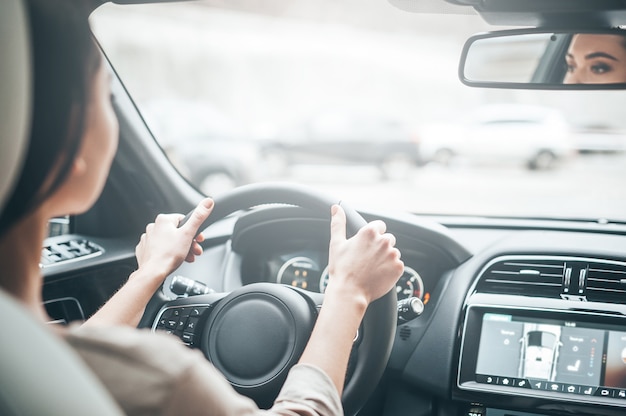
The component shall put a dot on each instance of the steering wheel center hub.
(252, 338)
(256, 334)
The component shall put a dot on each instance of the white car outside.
(533, 136)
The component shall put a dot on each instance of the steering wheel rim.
(378, 325)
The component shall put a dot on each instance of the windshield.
(361, 100)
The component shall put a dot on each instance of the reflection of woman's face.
(596, 59)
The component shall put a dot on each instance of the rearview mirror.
(539, 59)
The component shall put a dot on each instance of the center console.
(568, 356)
(528, 350)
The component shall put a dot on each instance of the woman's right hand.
(161, 249)
(366, 265)
(361, 269)
(164, 246)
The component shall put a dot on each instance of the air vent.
(69, 250)
(573, 278)
(524, 276)
(606, 282)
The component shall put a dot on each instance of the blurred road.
(590, 186)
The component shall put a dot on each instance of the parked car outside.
(599, 139)
(206, 146)
(503, 134)
(347, 138)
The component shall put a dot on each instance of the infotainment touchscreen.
(552, 355)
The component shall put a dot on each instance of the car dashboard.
(299, 258)
(520, 315)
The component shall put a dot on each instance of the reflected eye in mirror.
(601, 68)
(539, 59)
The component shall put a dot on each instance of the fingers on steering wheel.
(390, 238)
(196, 249)
(337, 223)
(142, 241)
(379, 226)
(197, 217)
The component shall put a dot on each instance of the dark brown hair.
(65, 59)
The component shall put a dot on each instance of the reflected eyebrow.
(596, 55)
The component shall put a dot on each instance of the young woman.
(72, 144)
(596, 59)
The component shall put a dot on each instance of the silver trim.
(582, 280)
(97, 253)
(293, 262)
(568, 279)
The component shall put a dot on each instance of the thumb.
(200, 213)
(337, 223)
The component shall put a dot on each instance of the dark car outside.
(337, 138)
(209, 149)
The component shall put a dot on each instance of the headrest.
(15, 92)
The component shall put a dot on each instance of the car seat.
(39, 374)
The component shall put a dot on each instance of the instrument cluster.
(310, 272)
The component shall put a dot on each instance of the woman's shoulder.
(132, 347)
(154, 373)
(122, 337)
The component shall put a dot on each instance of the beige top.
(154, 374)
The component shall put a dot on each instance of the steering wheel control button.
(191, 324)
(181, 322)
(187, 338)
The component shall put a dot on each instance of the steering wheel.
(256, 333)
